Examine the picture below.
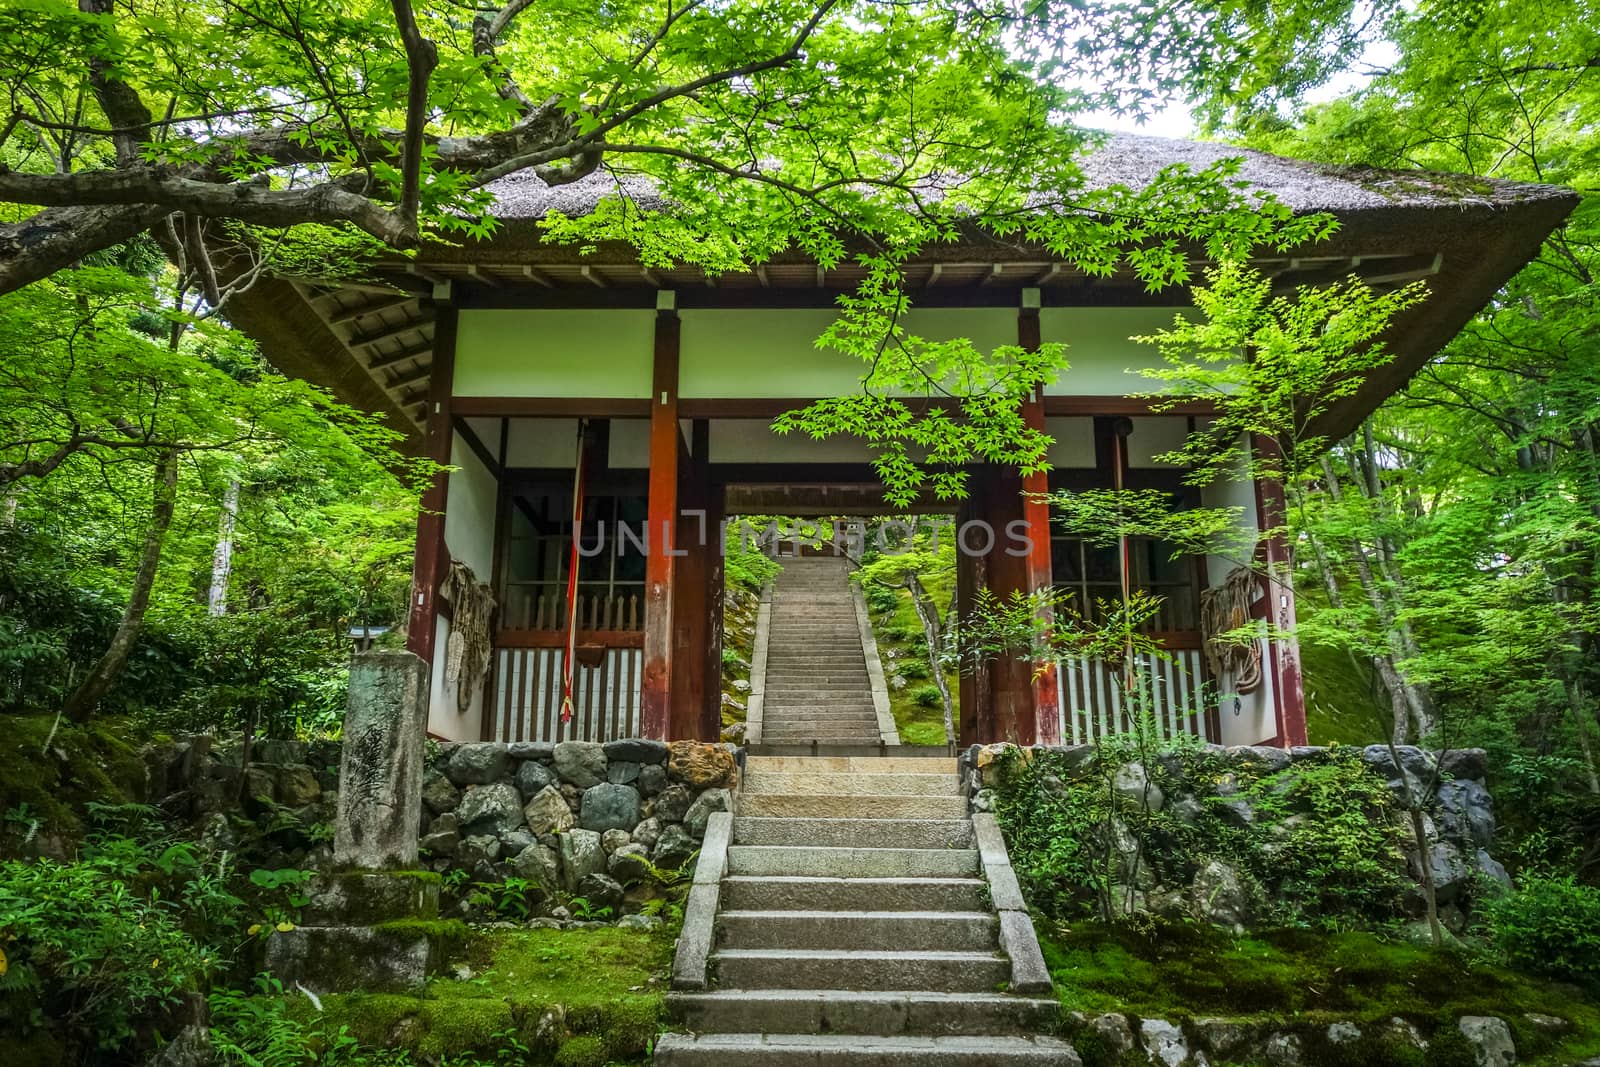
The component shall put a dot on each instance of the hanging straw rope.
(1224, 609)
(468, 651)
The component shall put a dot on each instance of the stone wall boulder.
(580, 763)
(477, 763)
(609, 807)
(701, 766)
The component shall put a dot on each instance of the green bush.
(881, 599)
(913, 669)
(91, 954)
(1322, 848)
(1549, 925)
(927, 696)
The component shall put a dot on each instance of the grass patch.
(1302, 977)
(901, 633)
(578, 997)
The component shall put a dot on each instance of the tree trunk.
(928, 615)
(83, 702)
(222, 555)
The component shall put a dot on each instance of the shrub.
(1549, 925)
(913, 669)
(927, 696)
(94, 955)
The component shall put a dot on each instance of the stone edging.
(755, 706)
(888, 733)
(700, 912)
(1017, 939)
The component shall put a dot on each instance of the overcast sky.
(1176, 121)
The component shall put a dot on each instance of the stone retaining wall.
(577, 818)
(1458, 821)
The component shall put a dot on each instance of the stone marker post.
(372, 923)
(380, 769)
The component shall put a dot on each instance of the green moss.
(422, 876)
(53, 777)
(1305, 980)
(449, 932)
(1339, 705)
(600, 983)
(582, 1052)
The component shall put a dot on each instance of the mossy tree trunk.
(83, 702)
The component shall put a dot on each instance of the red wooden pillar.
(997, 699)
(662, 512)
(690, 612)
(1036, 516)
(1289, 708)
(431, 557)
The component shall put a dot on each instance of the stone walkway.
(817, 686)
(855, 926)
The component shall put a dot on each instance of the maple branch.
(421, 58)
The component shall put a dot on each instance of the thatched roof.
(1130, 160)
(371, 342)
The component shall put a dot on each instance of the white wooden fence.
(1173, 687)
(527, 696)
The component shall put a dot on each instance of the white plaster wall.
(553, 352)
(1102, 360)
(1073, 441)
(752, 441)
(469, 537)
(1245, 718)
(767, 352)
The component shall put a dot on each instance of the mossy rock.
(585, 1051)
(55, 783)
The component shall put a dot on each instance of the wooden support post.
(689, 609)
(432, 558)
(662, 512)
(1283, 650)
(1036, 516)
(977, 710)
(1014, 715)
(716, 513)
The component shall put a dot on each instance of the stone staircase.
(817, 686)
(851, 912)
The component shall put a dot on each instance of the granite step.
(829, 1050)
(946, 972)
(926, 931)
(828, 862)
(859, 833)
(820, 806)
(758, 893)
(886, 1013)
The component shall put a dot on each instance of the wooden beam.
(479, 449)
(553, 407)
(537, 277)
(432, 557)
(1038, 576)
(478, 273)
(370, 308)
(408, 352)
(405, 378)
(662, 513)
(390, 331)
(589, 275)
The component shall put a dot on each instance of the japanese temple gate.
(489, 354)
(670, 409)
